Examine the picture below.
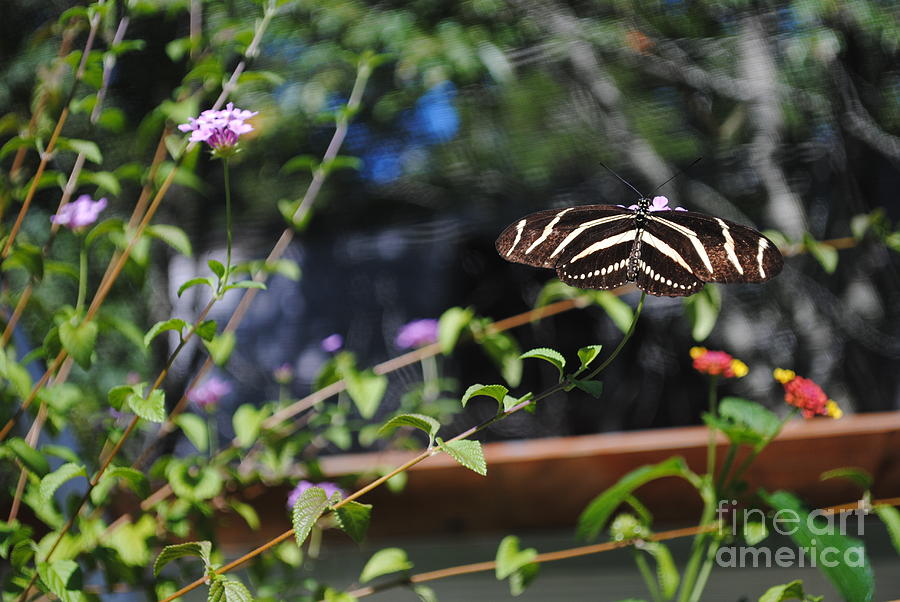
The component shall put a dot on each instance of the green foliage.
(754, 532)
(618, 311)
(498, 392)
(226, 589)
(78, 339)
(745, 422)
(62, 578)
(587, 355)
(176, 324)
(789, 591)
(52, 481)
(890, 516)
(199, 549)
(857, 475)
(826, 255)
(385, 562)
(353, 518)
(702, 310)
(548, 355)
(451, 325)
(467, 453)
(516, 564)
(310, 505)
(247, 422)
(424, 423)
(194, 428)
(220, 347)
(853, 582)
(31, 458)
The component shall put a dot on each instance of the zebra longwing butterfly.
(663, 251)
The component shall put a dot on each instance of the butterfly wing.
(714, 249)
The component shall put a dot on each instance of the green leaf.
(593, 388)
(618, 311)
(200, 549)
(451, 325)
(193, 483)
(510, 559)
(173, 236)
(890, 516)
(63, 578)
(419, 421)
(306, 511)
(522, 578)
(118, 396)
(755, 532)
(31, 458)
(594, 517)
(498, 392)
(587, 355)
(788, 591)
(89, 149)
(220, 347)
(858, 475)
(104, 180)
(366, 389)
(226, 589)
(51, 482)
(247, 421)
(217, 268)
(548, 355)
(151, 408)
(26, 257)
(855, 583)
(425, 593)
(504, 351)
(556, 290)
(195, 429)
(162, 326)
(826, 255)
(702, 310)
(300, 163)
(666, 571)
(135, 480)
(353, 518)
(384, 562)
(195, 282)
(247, 284)
(333, 595)
(468, 453)
(79, 340)
(248, 513)
(341, 162)
(207, 330)
(104, 228)
(745, 422)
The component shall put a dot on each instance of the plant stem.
(649, 578)
(621, 345)
(711, 447)
(227, 275)
(700, 584)
(726, 466)
(430, 386)
(82, 275)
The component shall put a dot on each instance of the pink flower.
(717, 363)
(80, 213)
(210, 392)
(283, 374)
(332, 343)
(219, 129)
(659, 203)
(805, 394)
(296, 492)
(417, 334)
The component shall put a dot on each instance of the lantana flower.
(208, 394)
(417, 333)
(659, 203)
(805, 394)
(718, 363)
(80, 213)
(332, 343)
(219, 129)
(329, 487)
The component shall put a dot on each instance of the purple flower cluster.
(417, 333)
(296, 492)
(209, 393)
(219, 129)
(659, 203)
(80, 213)
(332, 343)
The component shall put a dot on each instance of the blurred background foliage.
(487, 110)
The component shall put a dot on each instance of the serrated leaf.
(151, 408)
(853, 580)
(548, 355)
(353, 518)
(425, 423)
(31, 458)
(745, 422)
(497, 392)
(225, 589)
(195, 429)
(200, 549)
(51, 482)
(451, 325)
(890, 516)
(247, 421)
(467, 453)
(618, 311)
(173, 236)
(510, 559)
(220, 347)
(858, 475)
(162, 326)
(384, 562)
(118, 396)
(306, 511)
(63, 578)
(587, 355)
(594, 388)
(788, 591)
(79, 340)
(666, 571)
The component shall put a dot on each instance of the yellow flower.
(833, 409)
(784, 376)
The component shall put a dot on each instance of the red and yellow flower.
(717, 363)
(805, 394)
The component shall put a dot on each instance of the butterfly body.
(664, 252)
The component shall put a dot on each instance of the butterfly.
(665, 251)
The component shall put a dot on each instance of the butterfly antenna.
(677, 173)
(621, 179)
